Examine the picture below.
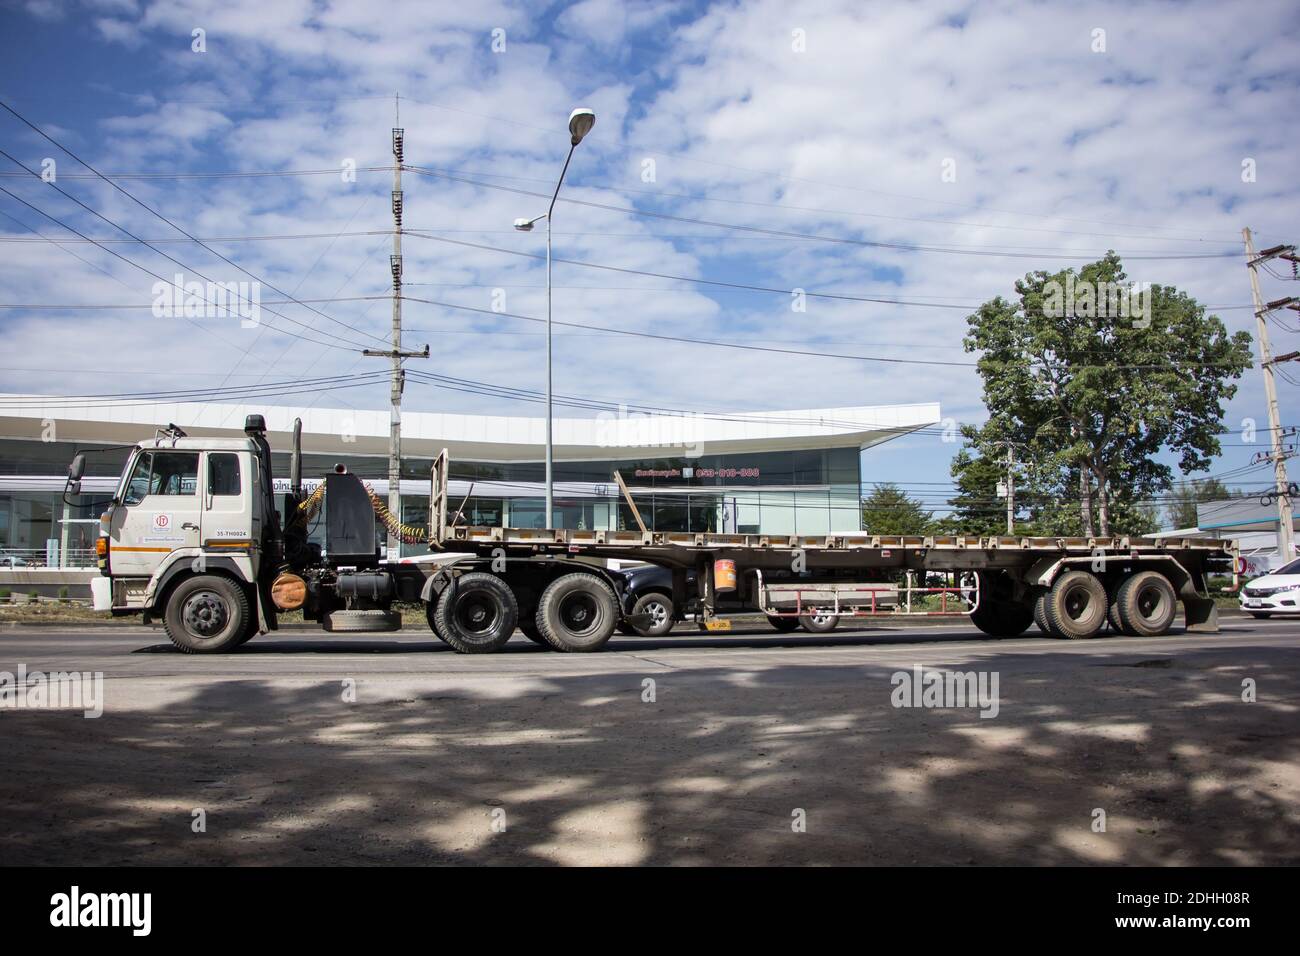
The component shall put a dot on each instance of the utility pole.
(1285, 535)
(1009, 486)
(396, 354)
(1011, 490)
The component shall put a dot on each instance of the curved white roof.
(607, 436)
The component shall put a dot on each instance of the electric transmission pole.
(1011, 490)
(395, 353)
(1009, 486)
(1285, 535)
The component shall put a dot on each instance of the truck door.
(159, 512)
(227, 523)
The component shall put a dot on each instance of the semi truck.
(195, 537)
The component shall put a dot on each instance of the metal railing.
(865, 600)
(34, 559)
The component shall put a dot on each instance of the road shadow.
(716, 766)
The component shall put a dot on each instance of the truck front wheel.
(207, 614)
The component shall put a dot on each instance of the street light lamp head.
(581, 121)
(524, 225)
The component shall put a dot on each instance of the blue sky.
(830, 119)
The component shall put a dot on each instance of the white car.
(1277, 592)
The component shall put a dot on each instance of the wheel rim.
(579, 613)
(1151, 603)
(205, 614)
(658, 613)
(1078, 602)
(475, 614)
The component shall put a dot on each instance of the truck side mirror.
(75, 471)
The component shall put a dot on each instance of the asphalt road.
(749, 747)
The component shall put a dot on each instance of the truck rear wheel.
(528, 624)
(477, 614)
(577, 612)
(1076, 606)
(1146, 603)
(206, 614)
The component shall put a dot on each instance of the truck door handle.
(189, 526)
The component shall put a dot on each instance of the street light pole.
(580, 123)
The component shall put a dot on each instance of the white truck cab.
(186, 510)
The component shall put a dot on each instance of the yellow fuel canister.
(724, 575)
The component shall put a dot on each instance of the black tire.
(361, 622)
(999, 614)
(477, 614)
(1263, 617)
(577, 613)
(1002, 618)
(783, 624)
(1076, 606)
(1112, 615)
(1040, 613)
(251, 631)
(624, 628)
(660, 607)
(1147, 604)
(819, 623)
(207, 614)
(528, 624)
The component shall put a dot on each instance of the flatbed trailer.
(1072, 587)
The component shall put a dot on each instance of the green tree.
(976, 508)
(1093, 381)
(1186, 495)
(889, 510)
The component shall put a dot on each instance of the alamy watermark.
(179, 299)
(946, 689)
(57, 690)
(1090, 300)
(637, 430)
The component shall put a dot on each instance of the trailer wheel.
(660, 609)
(1112, 614)
(206, 614)
(477, 615)
(1040, 614)
(528, 625)
(819, 623)
(577, 612)
(1076, 606)
(783, 624)
(1146, 603)
(999, 614)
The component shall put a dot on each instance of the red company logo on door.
(162, 523)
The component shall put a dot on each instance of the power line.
(155, 275)
(758, 348)
(842, 240)
(159, 215)
(159, 251)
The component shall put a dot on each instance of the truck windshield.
(162, 473)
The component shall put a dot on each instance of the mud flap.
(1201, 614)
